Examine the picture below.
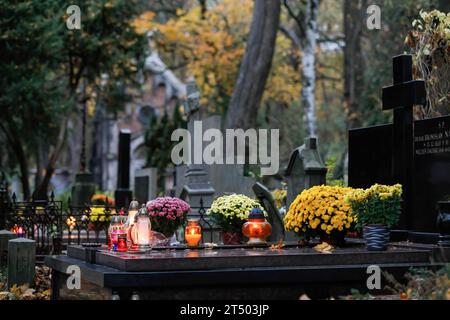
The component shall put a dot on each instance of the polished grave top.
(242, 257)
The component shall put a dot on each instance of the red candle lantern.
(122, 243)
(20, 232)
(193, 233)
(256, 229)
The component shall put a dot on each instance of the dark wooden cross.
(402, 96)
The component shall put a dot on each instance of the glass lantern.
(141, 230)
(256, 229)
(193, 233)
(116, 228)
(132, 211)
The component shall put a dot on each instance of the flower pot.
(377, 237)
(231, 238)
(336, 239)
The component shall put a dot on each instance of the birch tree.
(305, 36)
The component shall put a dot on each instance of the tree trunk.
(309, 47)
(42, 189)
(255, 66)
(17, 147)
(354, 22)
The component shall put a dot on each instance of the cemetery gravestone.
(197, 185)
(145, 184)
(83, 189)
(224, 178)
(431, 170)
(413, 153)
(123, 194)
(305, 169)
(84, 186)
(21, 261)
(401, 97)
(5, 236)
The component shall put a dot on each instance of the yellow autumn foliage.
(210, 49)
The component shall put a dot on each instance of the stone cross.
(197, 185)
(401, 97)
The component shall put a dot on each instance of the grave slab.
(231, 273)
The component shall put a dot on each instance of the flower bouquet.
(230, 213)
(98, 218)
(321, 211)
(167, 214)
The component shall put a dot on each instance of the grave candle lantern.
(122, 243)
(141, 230)
(20, 233)
(256, 229)
(132, 211)
(193, 233)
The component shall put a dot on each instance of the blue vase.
(377, 237)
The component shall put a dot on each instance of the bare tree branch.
(297, 17)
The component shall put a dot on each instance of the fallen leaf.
(280, 245)
(324, 248)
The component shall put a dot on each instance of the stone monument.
(197, 185)
(123, 195)
(305, 170)
(84, 186)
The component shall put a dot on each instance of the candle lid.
(134, 205)
(256, 213)
(142, 212)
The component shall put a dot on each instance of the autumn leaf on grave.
(4, 295)
(278, 246)
(324, 248)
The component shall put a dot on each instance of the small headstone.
(83, 189)
(305, 170)
(145, 184)
(21, 261)
(5, 236)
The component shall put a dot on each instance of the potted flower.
(230, 212)
(321, 211)
(167, 214)
(377, 210)
(98, 219)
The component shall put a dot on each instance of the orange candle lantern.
(256, 229)
(193, 233)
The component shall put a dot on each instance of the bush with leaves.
(430, 44)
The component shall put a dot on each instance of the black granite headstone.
(414, 153)
(370, 156)
(401, 97)
(123, 194)
(432, 170)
